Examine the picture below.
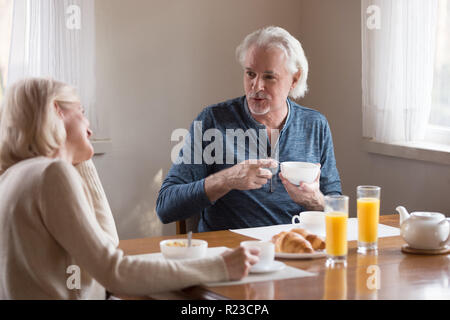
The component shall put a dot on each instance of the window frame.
(438, 134)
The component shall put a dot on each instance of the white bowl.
(296, 172)
(178, 249)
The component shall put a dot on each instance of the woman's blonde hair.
(29, 122)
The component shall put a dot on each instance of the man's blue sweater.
(306, 136)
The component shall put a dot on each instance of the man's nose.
(258, 84)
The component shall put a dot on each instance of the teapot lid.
(428, 215)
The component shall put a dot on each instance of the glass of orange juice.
(368, 211)
(336, 216)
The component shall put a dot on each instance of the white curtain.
(56, 38)
(397, 73)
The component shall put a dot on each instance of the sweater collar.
(260, 125)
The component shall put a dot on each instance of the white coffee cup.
(313, 221)
(266, 255)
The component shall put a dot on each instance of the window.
(406, 78)
(439, 123)
(66, 54)
(5, 39)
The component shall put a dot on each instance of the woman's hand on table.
(239, 261)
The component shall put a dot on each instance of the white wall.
(161, 62)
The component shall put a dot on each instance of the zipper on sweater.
(274, 171)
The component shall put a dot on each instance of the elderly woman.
(54, 213)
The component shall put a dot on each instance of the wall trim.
(423, 151)
(102, 146)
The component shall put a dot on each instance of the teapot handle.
(443, 243)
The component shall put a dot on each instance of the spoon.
(189, 238)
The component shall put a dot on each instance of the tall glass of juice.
(336, 216)
(368, 211)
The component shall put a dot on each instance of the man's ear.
(58, 109)
(296, 78)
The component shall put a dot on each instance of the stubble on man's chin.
(259, 113)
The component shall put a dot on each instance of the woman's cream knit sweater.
(54, 219)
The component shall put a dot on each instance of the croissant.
(316, 242)
(291, 242)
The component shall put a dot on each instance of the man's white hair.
(270, 37)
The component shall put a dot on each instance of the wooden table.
(401, 276)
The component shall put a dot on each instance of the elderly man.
(247, 191)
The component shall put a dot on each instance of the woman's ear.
(58, 110)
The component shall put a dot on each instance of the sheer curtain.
(55, 38)
(397, 72)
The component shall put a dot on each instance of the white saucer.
(275, 266)
(300, 256)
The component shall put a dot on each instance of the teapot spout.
(404, 215)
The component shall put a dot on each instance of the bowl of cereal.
(179, 249)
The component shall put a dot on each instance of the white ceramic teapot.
(424, 230)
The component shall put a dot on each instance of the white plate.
(315, 255)
(275, 266)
